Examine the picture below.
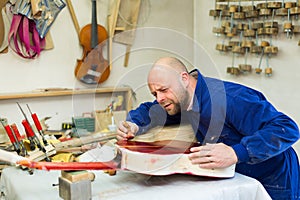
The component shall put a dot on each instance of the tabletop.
(18, 184)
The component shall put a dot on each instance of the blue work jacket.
(244, 119)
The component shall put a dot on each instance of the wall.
(55, 68)
(171, 33)
(281, 89)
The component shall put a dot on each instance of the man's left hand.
(213, 156)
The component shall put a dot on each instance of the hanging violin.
(92, 68)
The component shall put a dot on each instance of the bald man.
(235, 124)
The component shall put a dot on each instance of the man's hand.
(126, 130)
(213, 156)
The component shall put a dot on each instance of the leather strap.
(23, 37)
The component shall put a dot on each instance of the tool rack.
(249, 27)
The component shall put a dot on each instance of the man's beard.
(177, 106)
(176, 109)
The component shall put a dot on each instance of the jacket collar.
(199, 90)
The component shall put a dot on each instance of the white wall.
(55, 68)
(171, 33)
(281, 89)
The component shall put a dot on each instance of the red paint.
(153, 161)
(159, 147)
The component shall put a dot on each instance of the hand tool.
(23, 151)
(12, 137)
(38, 125)
(34, 141)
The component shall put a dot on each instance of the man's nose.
(160, 97)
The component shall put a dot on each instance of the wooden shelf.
(68, 92)
(237, 0)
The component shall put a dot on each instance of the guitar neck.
(94, 33)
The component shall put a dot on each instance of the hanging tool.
(246, 68)
(288, 26)
(219, 30)
(34, 141)
(268, 69)
(123, 20)
(38, 125)
(258, 70)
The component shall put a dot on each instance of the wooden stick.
(126, 59)
(76, 142)
(74, 18)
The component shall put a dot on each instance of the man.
(236, 123)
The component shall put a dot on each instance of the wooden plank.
(62, 92)
(175, 132)
(237, 0)
(113, 16)
(111, 25)
(128, 17)
(76, 142)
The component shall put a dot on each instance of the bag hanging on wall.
(23, 37)
(30, 24)
(44, 13)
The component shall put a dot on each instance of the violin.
(92, 68)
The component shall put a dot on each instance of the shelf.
(53, 92)
(237, 0)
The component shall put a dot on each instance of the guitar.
(92, 68)
(151, 158)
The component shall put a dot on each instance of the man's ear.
(185, 78)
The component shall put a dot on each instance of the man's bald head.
(169, 67)
(170, 62)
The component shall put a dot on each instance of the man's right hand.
(126, 130)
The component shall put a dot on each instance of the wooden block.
(75, 176)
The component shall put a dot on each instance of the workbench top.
(20, 185)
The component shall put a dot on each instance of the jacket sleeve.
(149, 115)
(265, 131)
(140, 116)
